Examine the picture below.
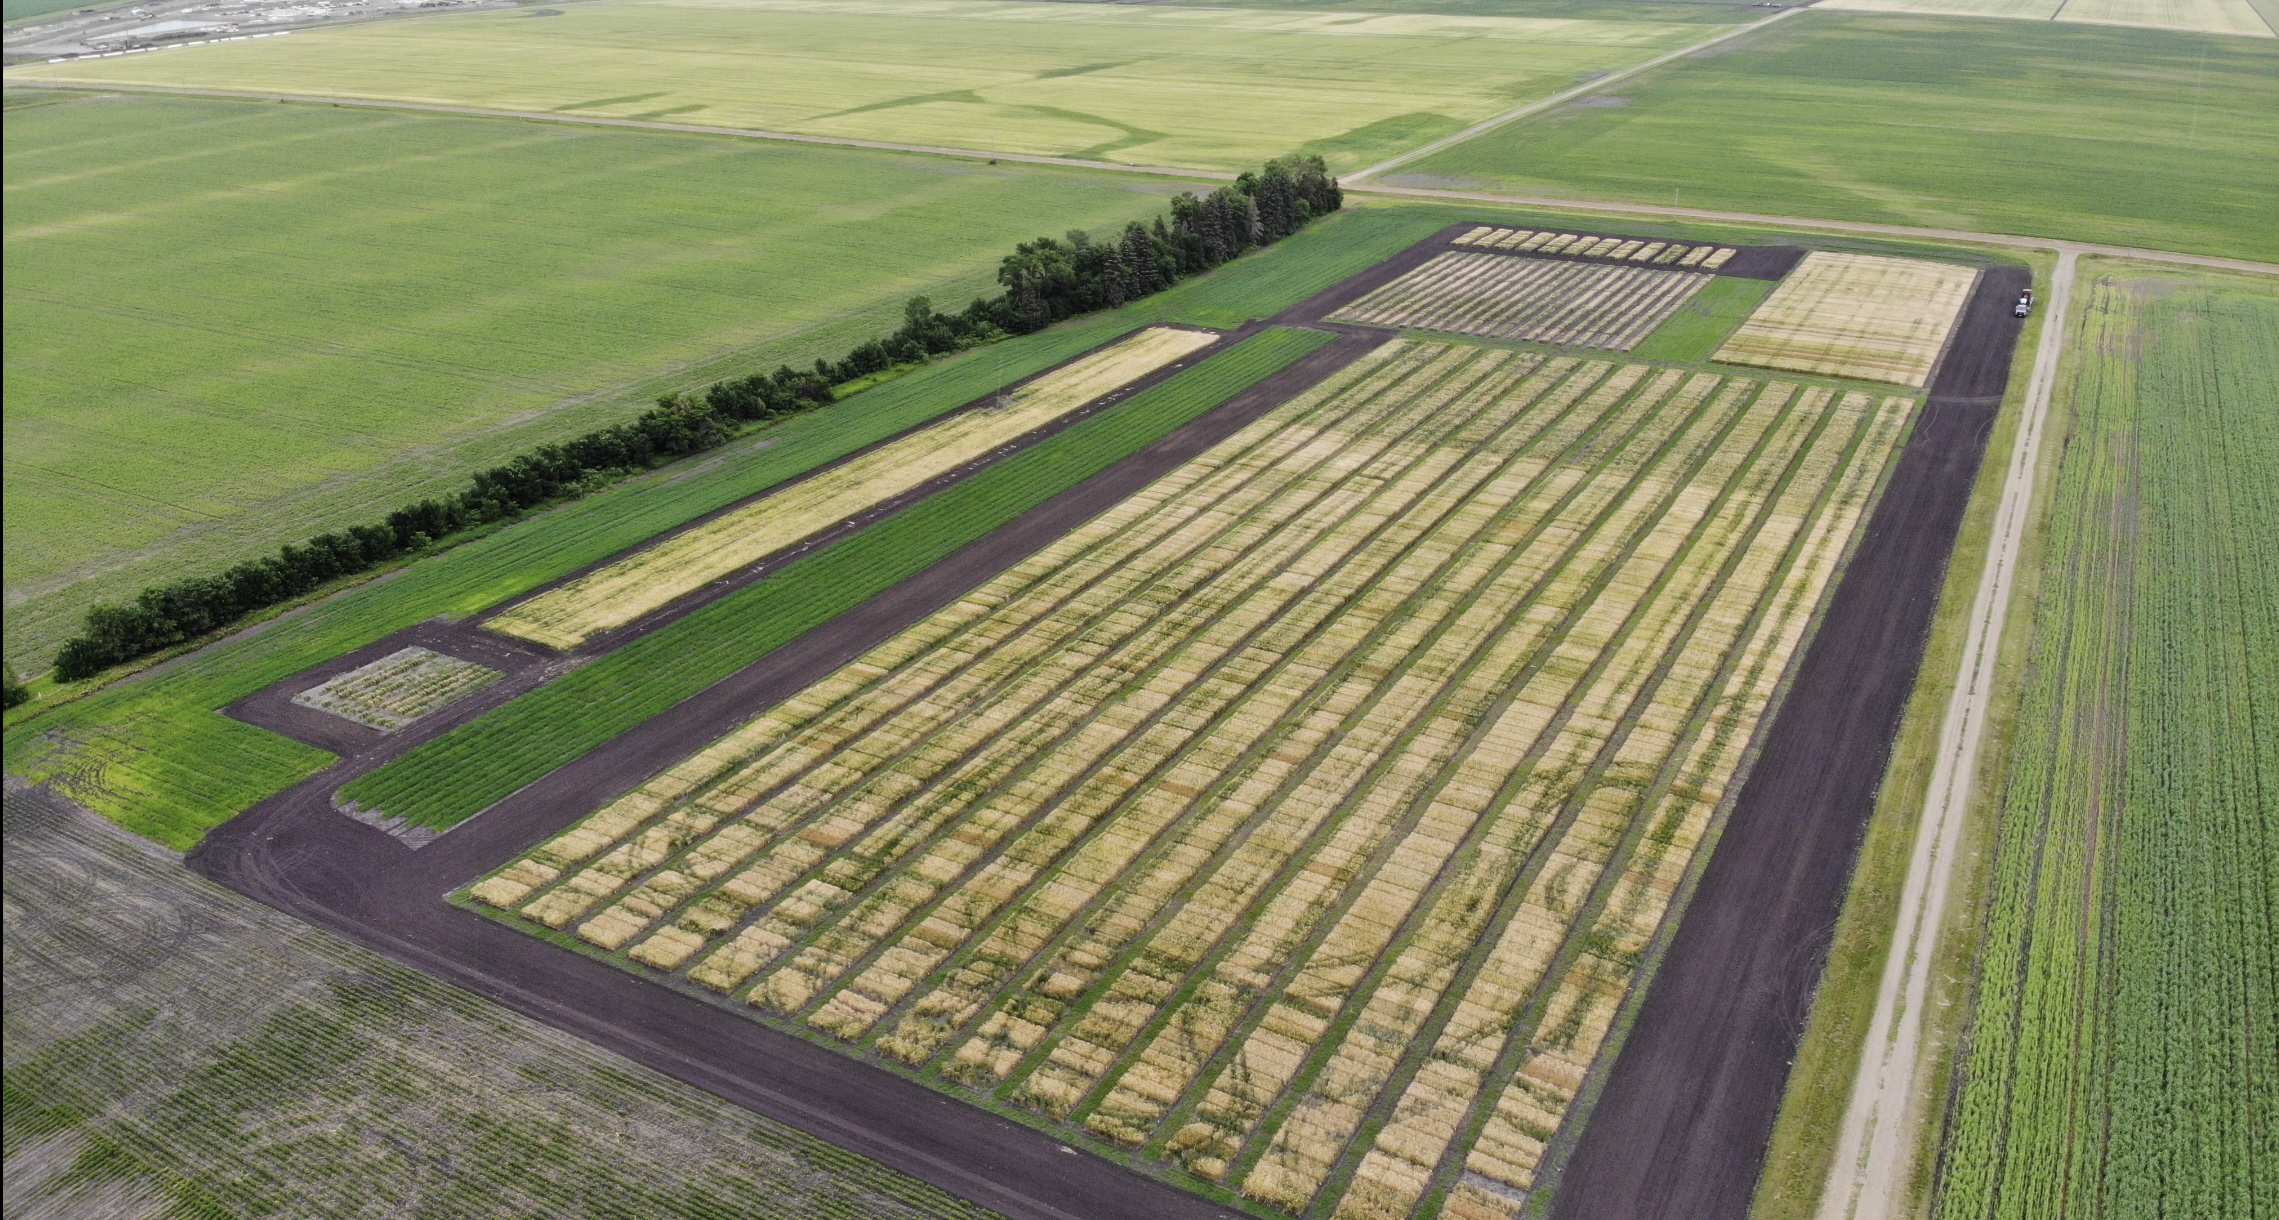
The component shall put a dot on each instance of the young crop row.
(654, 576)
(1862, 316)
(1619, 249)
(2120, 1059)
(399, 688)
(1541, 301)
(460, 773)
(1300, 821)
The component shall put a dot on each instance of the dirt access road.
(1874, 1156)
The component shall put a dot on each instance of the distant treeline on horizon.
(1045, 281)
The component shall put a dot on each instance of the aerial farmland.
(966, 608)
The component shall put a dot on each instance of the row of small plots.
(1629, 250)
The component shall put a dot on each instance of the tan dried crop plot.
(1636, 250)
(1862, 316)
(399, 688)
(1331, 784)
(643, 582)
(1538, 300)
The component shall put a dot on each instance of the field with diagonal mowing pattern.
(1298, 822)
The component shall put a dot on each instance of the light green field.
(2205, 16)
(1216, 87)
(230, 324)
(2130, 137)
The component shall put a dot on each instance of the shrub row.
(1045, 281)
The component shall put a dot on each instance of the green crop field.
(2131, 137)
(2119, 1059)
(231, 324)
(1207, 86)
(259, 1067)
(463, 772)
(154, 756)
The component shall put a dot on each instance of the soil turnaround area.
(297, 853)
(1687, 1112)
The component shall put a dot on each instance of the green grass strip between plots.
(459, 774)
(1699, 327)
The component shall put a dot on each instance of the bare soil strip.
(1688, 1107)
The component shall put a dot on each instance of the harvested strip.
(649, 579)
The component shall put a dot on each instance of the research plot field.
(1297, 824)
(1563, 303)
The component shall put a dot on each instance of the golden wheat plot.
(649, 579)
(1539, 300)
(1298, 822)
(1862, 316)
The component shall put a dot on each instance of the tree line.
(1044, 281)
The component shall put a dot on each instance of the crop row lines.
(1307, 1129)
(1574, 303)
(1711, 695)
(994, 955)
(1349, 760)
(856, 773)
(1082, 799)
(737, 765)
(1355, 689)
(1220, 1095)
(1523, 895)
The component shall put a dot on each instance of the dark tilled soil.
(1763, 262)
(1687, 1113)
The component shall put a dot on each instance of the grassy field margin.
(1820, 1082)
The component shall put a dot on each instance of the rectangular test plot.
(1536, 300)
